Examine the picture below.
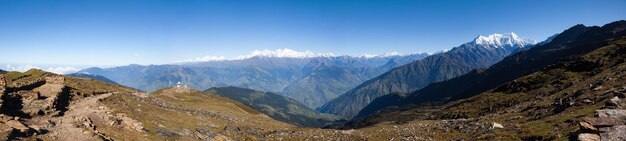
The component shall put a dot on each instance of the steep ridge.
(326, 78)
(556, 102)
(573, 42)
(276, 106)
(481, 52)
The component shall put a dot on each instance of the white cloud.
(62, 70)
(207, 58)
(21, 68)
(57, 69)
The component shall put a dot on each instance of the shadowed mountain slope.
(481, 52)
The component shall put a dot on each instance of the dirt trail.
(72, 126)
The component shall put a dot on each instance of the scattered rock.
(586, 127)
(588, 137)
(221, 138)
(185, 132)
(17, 125)
(165, 133)
(131, 123)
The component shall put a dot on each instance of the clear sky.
(110, 32)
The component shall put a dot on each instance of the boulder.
(615, 101)
(612, 113)
(614, 133)
(588, 137)
(586, 127)
(604, 122)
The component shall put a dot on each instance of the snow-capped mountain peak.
(502, 40)
(390, 54)
(284, 53)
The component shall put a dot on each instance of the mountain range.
(95, 77)
(295, 75)
(571, 88)
(565, 47)
(482, 52)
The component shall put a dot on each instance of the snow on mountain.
(502, 40)
(389, 54)
(284, 53)
(289, 53)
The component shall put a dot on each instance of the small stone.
(587, 101)
(232, 128)
(615, 133)
(588, 137)
(496, 125)
(598, 88)
(615, 101)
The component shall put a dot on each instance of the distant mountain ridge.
(95, 77)
(301, 78)
(481, 52)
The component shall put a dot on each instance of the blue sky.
(110, 32)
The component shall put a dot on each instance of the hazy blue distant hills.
(309, 80)
(95, 77)
(482, 52)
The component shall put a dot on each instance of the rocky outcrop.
(609, 123)
(19, 86)
(87, 123)
(129, 122)
(11, 127)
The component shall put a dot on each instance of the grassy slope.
(161, 120)
(545, 105)
(277, 106)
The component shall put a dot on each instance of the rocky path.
(78, 122)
